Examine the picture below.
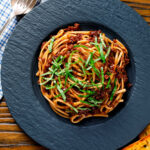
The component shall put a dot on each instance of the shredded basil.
(82, 108)
(101, 38)
(74, 108)
(81, 46)
(89, 58)
(108, 84)
(68, 66)
(61, 92)
(47, 73)
(66, 90)
(102, 75)
(48, 87)
(88, 103)
(88, 91)
(101, 53)
(108, 52)
(94, 101)
(114, 90)
(51, 44)
(83, 95)
(47, 80)
(92, 64)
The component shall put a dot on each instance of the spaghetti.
(82, 73)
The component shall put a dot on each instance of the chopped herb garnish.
(89, 58)
(59, 81)
(108, 84)
(114, 90)
(74, 108)
(66, 90)
(92, 64)
(82, 108)
(57, 63)
(96, 43)
(83, 95)
(100, 49)
(108, 73)
(51, 44)
(83, 69)
(101, 53)
(94, 84)
(88, 103)
(69, 88)
(81, 46)
(58, 58)
(48, 87)
(89, 68)
(88, 91)
(108, 52)
(47, 73)
(60, 73)
(94, 101)
(61, 92)
(52, 70)
(47, 80)
(102, 75)
(68, 66)
(75, 79)
(80, 59)
(98, 59)
(101, 38)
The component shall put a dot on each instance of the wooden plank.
(9, 127)
(138, 1)
(147, 19)
(7, 120)
(5, 115)
(15, 138)
(3, 104)
(4, 110)
(22, 147)
(143, 12)
(138, 6)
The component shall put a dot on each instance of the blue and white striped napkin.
(5, 11)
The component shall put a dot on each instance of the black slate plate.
(23, 95)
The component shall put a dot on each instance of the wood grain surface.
(11, 136)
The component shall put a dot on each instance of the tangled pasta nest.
(82, 73)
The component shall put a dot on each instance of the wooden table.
(11, 136)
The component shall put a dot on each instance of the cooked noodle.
(82, 73)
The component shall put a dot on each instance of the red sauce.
(75, 39)
(72, 28)
(106, 76)
(129, 85)
(43, 44)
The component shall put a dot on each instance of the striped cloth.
(5, 11)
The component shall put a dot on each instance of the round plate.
(31, 110)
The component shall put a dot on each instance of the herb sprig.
(51, 44)
(114, 90)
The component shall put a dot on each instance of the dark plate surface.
(23, 95)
